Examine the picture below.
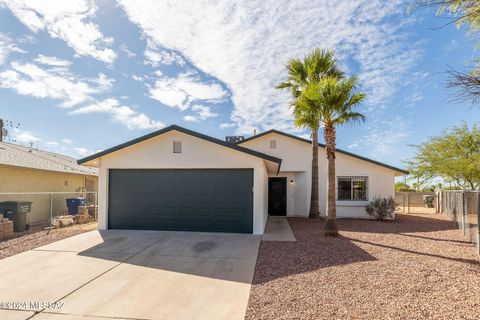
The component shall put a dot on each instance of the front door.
(277, 196)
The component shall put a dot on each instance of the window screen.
(177, 146)
(352, 188)
(273, 144)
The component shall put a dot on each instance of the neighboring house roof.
(186, 131)
(323, 146)
(26, 157)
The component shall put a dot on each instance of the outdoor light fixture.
(292, 182)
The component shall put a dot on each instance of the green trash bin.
(17, 212)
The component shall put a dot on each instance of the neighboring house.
(29, 170)
(178, 179)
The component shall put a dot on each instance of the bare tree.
(459, 13)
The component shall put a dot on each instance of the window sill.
(351, 203)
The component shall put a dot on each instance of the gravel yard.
(39, 238)
(417, 267)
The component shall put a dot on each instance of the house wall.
(156, 153)
(19, 179)
(296, 164)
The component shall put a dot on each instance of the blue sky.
(86, 75)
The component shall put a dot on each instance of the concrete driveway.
(124, 274)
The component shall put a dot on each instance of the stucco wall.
(196, 154)
(296, 163)
(17, 179)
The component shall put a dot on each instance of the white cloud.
(104, 83)
(120, 114)
(56, 83)
(413, 98)
(158, 56)
(67, 141)
(129, 53)
(384, 136)
(246, 46)
(137, 78)
(179, 92)
(70, 21)
(24, 136)
(203, 112)
(52, 143)
(352, 146)
(7, 46)
(52, 61)
(84, 152)
(190, 119)
(226, 125)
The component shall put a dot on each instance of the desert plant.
(382, 208)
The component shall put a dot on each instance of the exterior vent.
(234, 139)
(273, 144)
(177, 146)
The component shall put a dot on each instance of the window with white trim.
(273, 144)
(352, 188)
(177, 146)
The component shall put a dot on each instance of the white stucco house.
(178, 179)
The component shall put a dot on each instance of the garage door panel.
(218, 200)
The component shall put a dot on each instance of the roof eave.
(185, 131)
(399, 170)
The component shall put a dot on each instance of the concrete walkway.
(278, 229)
(131, 275)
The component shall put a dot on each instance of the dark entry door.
(213, 200)
(277, 196)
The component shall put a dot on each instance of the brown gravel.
(416, 267)
(39, 238)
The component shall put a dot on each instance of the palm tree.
(330, 101)
(316, 65)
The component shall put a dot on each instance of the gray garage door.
(219, 200)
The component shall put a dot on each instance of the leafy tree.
(402, 187)
(453, 156)
(330, 101)
(314, 66)
(462, 13)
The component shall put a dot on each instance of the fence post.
(51, 212)
(96, 205)
(404, 203)
(408, 199)
(478, 223)
(463, 212)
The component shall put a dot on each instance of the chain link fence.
(414, 202)
(23, 213)
(464, 208)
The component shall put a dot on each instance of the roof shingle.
(20, 156)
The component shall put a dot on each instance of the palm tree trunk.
(314, 206)
(331, 228)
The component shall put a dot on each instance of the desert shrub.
(382, 208)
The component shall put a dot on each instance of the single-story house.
(35, 172)
(178, 179)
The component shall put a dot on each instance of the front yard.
(417, 267)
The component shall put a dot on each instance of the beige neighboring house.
(25, 169)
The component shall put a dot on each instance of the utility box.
(17, 212)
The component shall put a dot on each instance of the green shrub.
(382, 208)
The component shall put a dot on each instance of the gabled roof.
(323, 146)
(26, 157)
(186, 131)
